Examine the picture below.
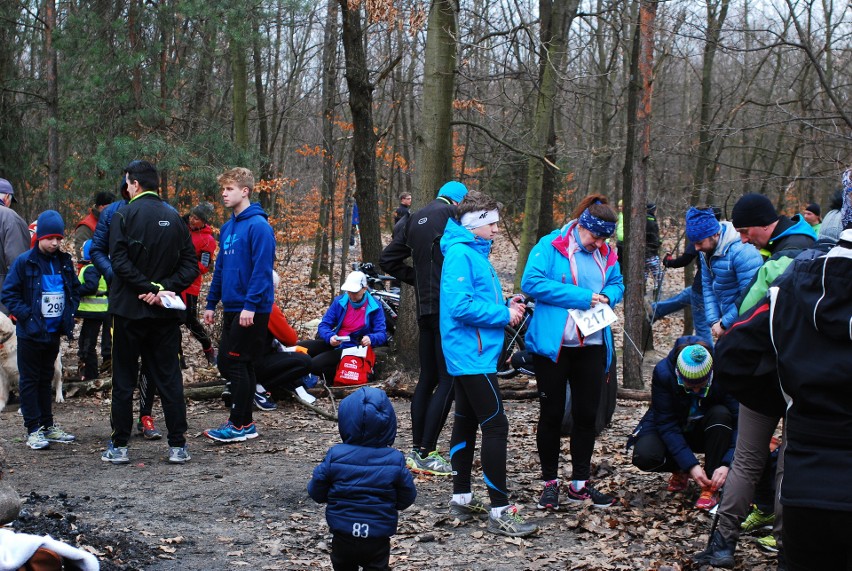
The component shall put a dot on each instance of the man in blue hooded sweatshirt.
(242, 281)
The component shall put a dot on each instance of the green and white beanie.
(695, 366)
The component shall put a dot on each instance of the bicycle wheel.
(513, 341)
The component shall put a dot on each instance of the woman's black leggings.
(478, 404)
(583, 369)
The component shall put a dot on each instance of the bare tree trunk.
(260, 96)
(240, 92)
(552, 56)
(52, 105)
(433, 153)
(634, 321)
(364, 137)
(329, 81)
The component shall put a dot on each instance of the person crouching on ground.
(473, 316)
(354, 318)
(364, 481)
(688, 414)
(42, 292)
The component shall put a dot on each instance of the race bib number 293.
(52, 304)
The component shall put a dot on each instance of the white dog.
(9, 363)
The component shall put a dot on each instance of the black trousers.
(817, 540)
(324, 358)
(239, 348)
(35, 365)
(353, 553)
(582, 368)
(194, 325)
(157, 342)
(87, 351)
(433, 395)
(479, 405)
(279, 372)
(711, 435)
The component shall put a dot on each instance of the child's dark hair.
(598, 206)
(475, 200)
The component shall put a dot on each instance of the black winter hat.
(753, 210)
(814, 208)
(203, 212)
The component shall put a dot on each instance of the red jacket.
(205, 248)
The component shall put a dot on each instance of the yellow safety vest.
(98, 303)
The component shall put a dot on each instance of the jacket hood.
(799, 226)
(366, 418)
(206, 229)
(455, 233)
(727, 238)
(822, 286)
(253, 209)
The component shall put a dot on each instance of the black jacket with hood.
(805, 326)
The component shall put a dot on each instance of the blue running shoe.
(115, 454)
(250, 430)
(263, 401)
(226, 433)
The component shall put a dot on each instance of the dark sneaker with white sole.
(549, 499)
(599, 499)
(468, 511)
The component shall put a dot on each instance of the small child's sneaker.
(115, 454)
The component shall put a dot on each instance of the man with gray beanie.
(14, 234)
(433, 395)
(728, 265)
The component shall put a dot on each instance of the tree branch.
(497, 139)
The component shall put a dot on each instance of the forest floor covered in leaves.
(245, 506)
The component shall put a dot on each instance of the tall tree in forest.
(642, 60)
(237, 36)
(329, 160)
(552, 56)
(52, 104)
(433, 140)
(364, 137)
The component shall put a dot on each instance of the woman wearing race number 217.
(573, 267)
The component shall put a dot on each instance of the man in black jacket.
(152, 258)
(807, 313)
(434, 392)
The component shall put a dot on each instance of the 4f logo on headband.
(483, 215)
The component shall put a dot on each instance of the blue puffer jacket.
(473, 313)
(731, 268)
(99, 250)
(671, 405)
(374, 322)
(22, 294)
(548, 278)
(364, 481)
(242, 278)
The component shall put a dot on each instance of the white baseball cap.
(355, 282)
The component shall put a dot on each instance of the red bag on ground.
(356, 366)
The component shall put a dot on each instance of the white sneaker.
(305, 395)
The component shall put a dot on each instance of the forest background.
(536, 102)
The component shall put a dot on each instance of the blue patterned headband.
(595, 225)
(846, 210)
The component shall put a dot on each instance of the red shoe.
(707, 500)
(679, 482)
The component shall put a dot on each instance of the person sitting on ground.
(353, 318)
(93, 310)
(285, 365)
(688, 414)
(42, 292)
(364, 481)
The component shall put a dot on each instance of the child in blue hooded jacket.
(472, 319)
(364, 481)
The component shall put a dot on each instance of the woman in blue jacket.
(689, 413)
(354, 318)
(571, 268)
(472, 318)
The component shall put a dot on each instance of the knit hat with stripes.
(695, 366)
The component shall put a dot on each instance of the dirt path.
(244, 506)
